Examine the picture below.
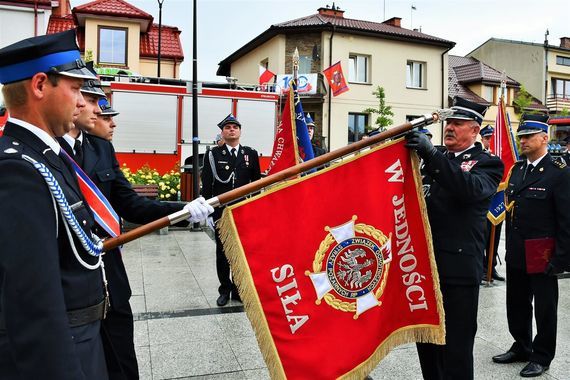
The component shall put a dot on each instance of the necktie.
(233, 152)
(450, 155)
(78, 152)
(528, 171)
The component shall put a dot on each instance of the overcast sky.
(226, 25)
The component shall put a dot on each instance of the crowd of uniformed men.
(64, 309)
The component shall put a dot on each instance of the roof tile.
(119, 8)
(171, 47)
(361, 25)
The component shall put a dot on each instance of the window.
(305, 63)
(113, 45)
(357, 123)
(358, 68)
(415, 74)
(561, 88)
(489, 94)
(564, 61)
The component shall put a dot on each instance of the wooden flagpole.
(292, 171)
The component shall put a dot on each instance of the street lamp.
(159, 33)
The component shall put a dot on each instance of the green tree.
(383, 111)
(565, 112)
(88, 55)
(522, 101)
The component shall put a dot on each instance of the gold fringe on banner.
(254, 311)
(251, 303)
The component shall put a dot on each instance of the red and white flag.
(330, 293)
(285, 152)
(502, 141)
(336, 79)
(265, 76)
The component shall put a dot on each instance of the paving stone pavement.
(180, 333)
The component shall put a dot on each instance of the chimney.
(331, 11)
(394, 21)
(60, 8)
(565, 42)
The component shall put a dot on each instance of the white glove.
(198, 209)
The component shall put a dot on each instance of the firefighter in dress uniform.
(52, 293)
(96, 156)
(227, 167)
(537, 199)
(459, 181)
(317, 150)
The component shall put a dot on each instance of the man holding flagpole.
(458, 181)
(96, 160)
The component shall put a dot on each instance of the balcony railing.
(556, 103)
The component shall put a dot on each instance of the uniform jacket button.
(84, 222)
(460, 250)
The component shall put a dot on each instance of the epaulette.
(9, 147)
(559, 164)
(248, 148)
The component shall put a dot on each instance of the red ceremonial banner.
(336, 80)
(336, 268)
(285, 152)
(503, 142)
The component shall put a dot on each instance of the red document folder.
(538, 253)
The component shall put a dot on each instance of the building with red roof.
(120, 37)
(410, 65)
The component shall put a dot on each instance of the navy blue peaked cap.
(532, 123)
(53, 53)
(106, 109)
(309, 120)
(464, 109)
(488, 130)
(230, 119)
(92, 86)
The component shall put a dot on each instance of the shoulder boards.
(10, 147)
(559, 164)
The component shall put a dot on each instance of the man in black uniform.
(98, 161)
(105, 125)
(459, 181)
(227, 167)
(486, 135)
(52, 297)
(537, 195)
(317, 150)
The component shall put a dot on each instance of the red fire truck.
(155, 121)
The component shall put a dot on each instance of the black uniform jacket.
(101, 165)
(245, 168)
(40, 278)
(318, 151)
(458, 193)
(539, 209)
